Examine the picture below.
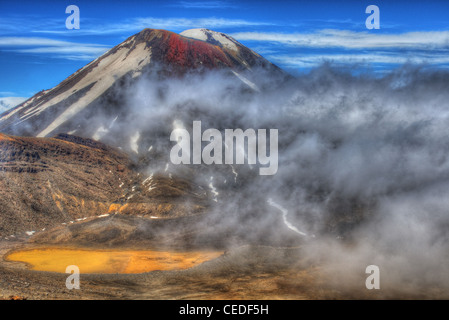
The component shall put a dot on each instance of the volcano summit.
(96, 89)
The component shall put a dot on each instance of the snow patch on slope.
(213, 189)
(109, 69)
(284, 217)
(134, 142)
(102, 131)
(205, 35)
(250, 84)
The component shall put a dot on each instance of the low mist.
(363, 173)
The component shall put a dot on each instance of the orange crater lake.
(109, 261)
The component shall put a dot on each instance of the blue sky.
(37, 51)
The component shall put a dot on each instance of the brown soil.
(45, 182)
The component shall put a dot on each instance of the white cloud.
(67, 50)
(352, 40)
(203, 4)
(421, 47)
(211, 22)
(57, 48)
(7, 103)
(308, 61)
(177, 24)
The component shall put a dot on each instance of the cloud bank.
(352, 39)
(363, 164)
(54, 48)
(363, 173)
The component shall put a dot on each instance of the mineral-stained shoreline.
(245, 272)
